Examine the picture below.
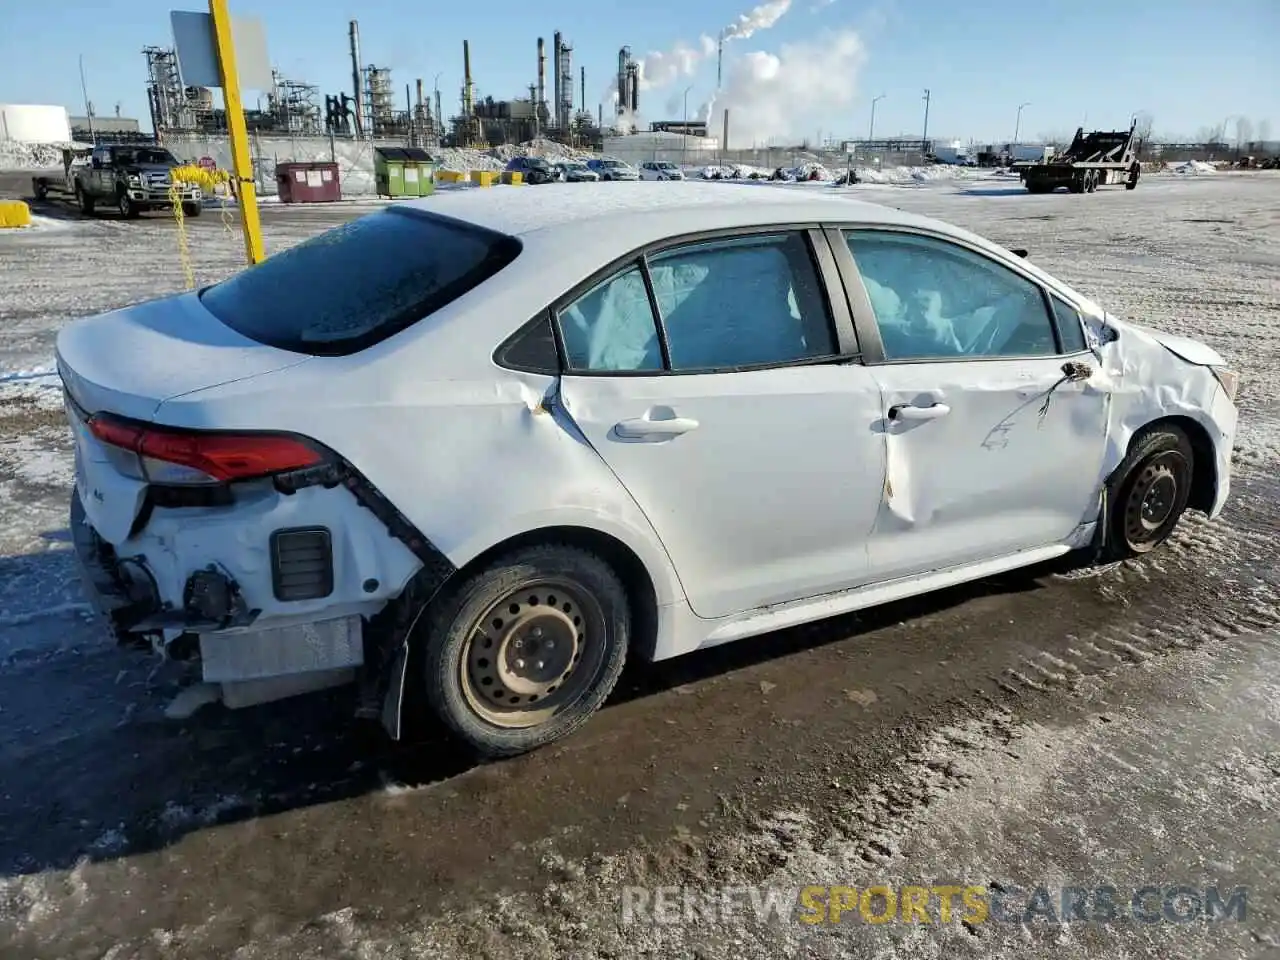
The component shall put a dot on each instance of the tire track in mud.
(1213, 582)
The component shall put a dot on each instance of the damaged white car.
(482, 448)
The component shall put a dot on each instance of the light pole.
(684, 143)
(871, 131)
(1017, 127)
(924, 144)
(88, 107)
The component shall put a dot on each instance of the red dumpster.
(308, 182)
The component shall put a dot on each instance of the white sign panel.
(197, 50)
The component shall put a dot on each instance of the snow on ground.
(1193, 168)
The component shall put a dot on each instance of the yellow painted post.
(241, 163)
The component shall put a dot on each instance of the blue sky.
(1191, 64)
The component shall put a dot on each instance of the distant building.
(692, 128)
(106, 128)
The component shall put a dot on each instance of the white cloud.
(788, 94)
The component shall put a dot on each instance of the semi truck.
(130, 177)
(1093, 160)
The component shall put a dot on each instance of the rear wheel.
(1148, 493)
(84, 201)
(1134, 173)
(523, 651)
(1090, 181)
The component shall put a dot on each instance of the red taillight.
(222, 457)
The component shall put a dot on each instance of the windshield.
(359, 283)
(133, 155)
(665, 165)
(612, 163)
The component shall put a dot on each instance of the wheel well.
(629, 567)
(1204, 464)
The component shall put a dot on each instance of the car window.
(741, 302)
(935, 299)
(611, 327)
(359, 283)
(1070, 326)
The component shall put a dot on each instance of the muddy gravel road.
(1118, 730)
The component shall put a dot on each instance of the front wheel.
(522, 652)
(84, 201)
(128, 209)
(1134, 173)
(1148, 493)
(192, 209)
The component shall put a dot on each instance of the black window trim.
(831, 286)
(864, 316)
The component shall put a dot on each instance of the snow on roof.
(655, 208)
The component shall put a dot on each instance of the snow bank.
(1194, 168)
(31, 156)
(927, 174)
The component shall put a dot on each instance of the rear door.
(713, 377)
(994, 434)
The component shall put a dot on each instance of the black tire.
(1091, 181)
(41, 190)
(1148, 493)
(128, 209)
(84, 201)
(1135, 172)
(553, 594)
(192, 209)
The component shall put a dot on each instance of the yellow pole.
(246, 189)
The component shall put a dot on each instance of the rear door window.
(357, 284)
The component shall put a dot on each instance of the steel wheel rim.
(533, 654)
(1153, 498)
(124, 204)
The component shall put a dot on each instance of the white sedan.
(504, 444)
(660, 170)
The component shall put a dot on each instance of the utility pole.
(1017, 127)
(924, 141)
(871, 131)
(88, 107)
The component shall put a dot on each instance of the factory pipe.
(354, 33)
(467, 103)
(584, 90)
(557, 82)
(539, 108)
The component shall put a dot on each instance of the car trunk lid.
(130, 361)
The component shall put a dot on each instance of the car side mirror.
(1020, 252)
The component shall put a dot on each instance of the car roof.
(642, 212)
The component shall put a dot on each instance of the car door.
(994, 433)
(714, 378)
(101, 169)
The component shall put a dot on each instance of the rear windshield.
(357, 284)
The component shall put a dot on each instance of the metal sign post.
(241, 163)
(206, 47)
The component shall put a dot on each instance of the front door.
(748, 445)
(994, 433)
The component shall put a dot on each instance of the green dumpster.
(403, 171)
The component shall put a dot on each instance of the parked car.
(532, 169)
(526, 442)
(660, 170)
(575, 171)
(610, 169)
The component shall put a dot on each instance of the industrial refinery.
(372, 109)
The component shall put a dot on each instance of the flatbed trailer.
(1093, 160)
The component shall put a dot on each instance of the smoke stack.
(583, 108)
(467, 104)
(724, 138)
(420, 95)
(354, 33)
(557, 82)
(540, 106)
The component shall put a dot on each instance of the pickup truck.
(130, 177)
